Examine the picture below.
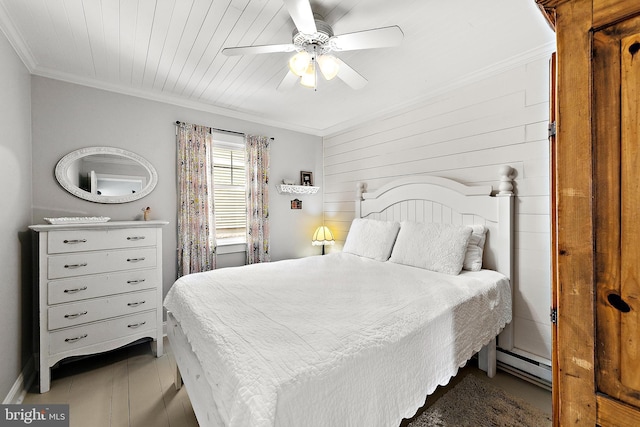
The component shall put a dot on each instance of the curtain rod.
(178, 123)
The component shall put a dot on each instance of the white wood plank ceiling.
(170, 50)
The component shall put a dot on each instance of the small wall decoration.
(306, 178)
(296, 204)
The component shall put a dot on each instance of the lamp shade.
(329, 66)
(308, 79)
(322, 236)
(299, 63)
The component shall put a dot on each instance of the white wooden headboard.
(441, 200)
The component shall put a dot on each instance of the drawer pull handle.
(75, 315)
(74, 241)
(84, 264)
(135, 282)
(74, 290)
(136, 325)
(135, 259)
(135, 304)
(136, 238)
(70, 340)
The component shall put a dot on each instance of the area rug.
(473, 402)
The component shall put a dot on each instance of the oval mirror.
(106, 175)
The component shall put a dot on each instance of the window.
(229, 190)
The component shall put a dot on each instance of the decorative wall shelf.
(296, 189)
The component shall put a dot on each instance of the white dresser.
(98, 287)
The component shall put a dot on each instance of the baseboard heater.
(527, 368)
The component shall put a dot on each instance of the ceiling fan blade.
(288, 82)
(350, 76)
(368, 39)
(254, 50)
(300, 11)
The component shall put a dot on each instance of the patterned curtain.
(257, 199)
(196, 227)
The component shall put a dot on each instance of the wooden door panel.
(616, 118)
(607, 211)
(629, 304)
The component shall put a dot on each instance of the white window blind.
(229, 190)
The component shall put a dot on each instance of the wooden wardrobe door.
(616, 122)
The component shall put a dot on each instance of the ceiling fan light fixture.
(329, 66)
(299, 63)
(313, 39)
(309, 78)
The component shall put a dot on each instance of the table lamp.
(322, 237)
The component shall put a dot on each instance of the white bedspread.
(335, 340)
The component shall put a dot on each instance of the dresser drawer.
(84, 287)
(65, 315)
(63, 241)
(79, 264)
(99, 332)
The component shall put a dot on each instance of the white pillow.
(475, 248)
(435, 247)
(371, 238)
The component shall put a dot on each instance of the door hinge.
(552, 129)
(554, 315)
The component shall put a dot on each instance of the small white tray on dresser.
(78, 220)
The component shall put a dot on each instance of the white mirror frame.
(63, 166)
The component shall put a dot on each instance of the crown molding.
(15, 39)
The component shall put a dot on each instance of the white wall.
(465, 135)
(68, 116)
(15, 215)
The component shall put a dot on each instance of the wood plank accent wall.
(466, 135)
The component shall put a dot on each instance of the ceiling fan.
(314, 42)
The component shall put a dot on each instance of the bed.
(358, 337)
